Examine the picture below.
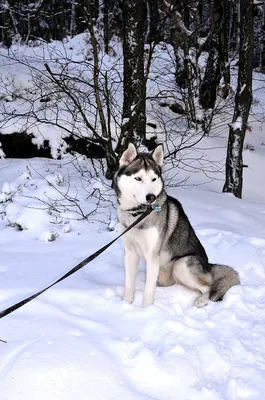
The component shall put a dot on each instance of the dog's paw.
(129, 297)
(202, 300)
(146, 304)
(147, 301)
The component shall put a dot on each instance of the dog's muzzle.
(150, 198)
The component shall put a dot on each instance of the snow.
(79, 339)
(237, 125)
(242, 89)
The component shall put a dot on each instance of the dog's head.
(138, 180)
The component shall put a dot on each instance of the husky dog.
(165, 239)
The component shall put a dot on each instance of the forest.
(194, 58)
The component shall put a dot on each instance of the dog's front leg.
(131, 261)
(152, 271)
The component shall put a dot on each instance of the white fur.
(128, 156)
(131, 261)
(141, 244)
(182, 273)
(202, 300)
(158, 155)
(134, 192)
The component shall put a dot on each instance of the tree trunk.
(106, 26)
(73, 18)
(224, 58)
(232, 25)
(134, 90)
(178, 14)
(258, 35)
(243, 100)
(217, 59)
(153, 28)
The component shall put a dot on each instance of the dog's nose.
(150, 198)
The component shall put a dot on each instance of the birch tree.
(243, 100)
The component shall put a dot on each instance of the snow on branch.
(178, 20)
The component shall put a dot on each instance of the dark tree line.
(44, 19)
(216, 20)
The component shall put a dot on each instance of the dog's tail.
(224, 278)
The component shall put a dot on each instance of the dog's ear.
(158, 155)
(128, 155)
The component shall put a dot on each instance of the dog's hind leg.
(190, 272)
(165, 277)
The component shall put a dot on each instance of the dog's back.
(183, 241)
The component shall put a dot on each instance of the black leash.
(21, 303)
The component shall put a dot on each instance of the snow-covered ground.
(79, 339)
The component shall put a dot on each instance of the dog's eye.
(137, 178)
(154, 179)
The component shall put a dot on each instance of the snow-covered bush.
(42, 205)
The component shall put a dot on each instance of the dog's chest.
(142, 241)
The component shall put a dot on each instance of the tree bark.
(153, 28)
(243, 100)
(233, 25)
(134, 90)
(262, 50)
(106, 26)
(217, 59)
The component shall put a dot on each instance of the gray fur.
(224, 277)
(165, 240)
